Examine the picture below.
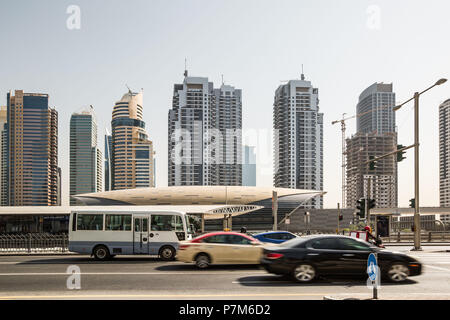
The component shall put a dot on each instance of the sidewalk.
(368, 296)
(37, 253)
(426, 244)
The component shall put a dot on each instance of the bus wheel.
(101, 253)
(167, 253)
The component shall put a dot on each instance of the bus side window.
(90, 222)
(163, 222)
(118, 222)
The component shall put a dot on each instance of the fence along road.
(33, 243)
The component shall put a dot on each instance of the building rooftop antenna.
(303, 75)
(222, 80)
(129, 90)
(185, 68)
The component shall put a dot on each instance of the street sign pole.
(373, 272)
(374, 283)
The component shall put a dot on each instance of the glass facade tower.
(85, 156)
(32, 143)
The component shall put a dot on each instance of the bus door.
(141, 237)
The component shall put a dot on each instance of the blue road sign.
(372, 269)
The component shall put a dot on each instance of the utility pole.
(339, 217)
(416, 159)
(416, 174)
(369, 179)
(275, 210)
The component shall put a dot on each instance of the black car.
(306, 258)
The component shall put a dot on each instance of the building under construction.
(383, 179)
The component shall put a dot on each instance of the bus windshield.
(193, 224)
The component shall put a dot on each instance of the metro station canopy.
(198, 195)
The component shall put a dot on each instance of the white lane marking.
(262, 281)
(437, 268)
(127, 273)
(159, 296)
(9, 262)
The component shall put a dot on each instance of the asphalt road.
(46, 277)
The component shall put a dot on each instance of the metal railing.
(33, 243)
(429, 236)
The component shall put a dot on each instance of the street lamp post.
(416, 160)
(417, 229)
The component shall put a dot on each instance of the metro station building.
(249, 207)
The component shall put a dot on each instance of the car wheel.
(304, 273)
(101, 253)
(167, 253)
(398, 272)
(202, 261)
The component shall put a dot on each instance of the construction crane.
(344, 160)
(344, 187)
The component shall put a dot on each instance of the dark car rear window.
(295, 243)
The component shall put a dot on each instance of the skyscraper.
(298, 138)
(205, 134)
(375, 106)
(85, 156)
(3, 157)
(375, 136)
(444, 155)
(32, 150)
(383, 180)
(249, 167)
(132, 151)
(228, 102)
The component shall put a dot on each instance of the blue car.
(274, 236)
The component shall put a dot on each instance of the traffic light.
(400, 154)
(372, 164)
(361, 207)
(413, 228)
(412, 203)
(341, 217)
(371, 203)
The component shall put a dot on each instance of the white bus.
(105, 233)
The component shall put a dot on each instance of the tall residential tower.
(205, 134)
(298, 138)
(33, 177)
(376, 135)
(375, 106)
(3, 156)
(132, 151)
(85, 156)
(444, 156)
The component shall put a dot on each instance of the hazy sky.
(345, 46)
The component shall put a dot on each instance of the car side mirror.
(254, 243)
